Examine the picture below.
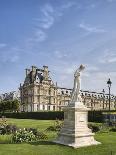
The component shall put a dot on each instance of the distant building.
(38, 92)
(10, 95)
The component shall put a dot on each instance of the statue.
(76, 97)
(75, 131)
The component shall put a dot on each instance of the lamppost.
(103, 91)
(115, 103)
(109, 83)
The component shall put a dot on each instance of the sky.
(61, 34)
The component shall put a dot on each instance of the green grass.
(108, 141)
(30, 123)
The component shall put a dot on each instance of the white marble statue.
(75, 131)
(76, 97)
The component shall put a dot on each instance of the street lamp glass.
(109, 83)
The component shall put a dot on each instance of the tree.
(9, 105)
(15, 105)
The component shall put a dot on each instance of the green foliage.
(93, 116)
(27, 135)
(56, 127)
(41, 115)
(94, 127)
(23, 136)
(6, 128)
(9, 105)
(113, 129)
(39, 135)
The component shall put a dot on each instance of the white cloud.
(48, 17)
(61, 54)
(108, 57)
(2, 45)
(68, 5)
(91, 29)
(92, 68)
(40, 35)
(97, 81)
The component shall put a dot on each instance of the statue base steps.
(75, 131)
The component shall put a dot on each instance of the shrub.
(3, 125)
(56, 127)
(23, 136)
(38, 134)
(41, 136)
(6, 128)
(51, 128)
(11, 128)
(94, 127)
(40, 115)
(113, 129)
(33, 130)
(28, 135)
(2, 130)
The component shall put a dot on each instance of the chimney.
(34, 68)
(27, 71)
(33, 73)
(45, 74)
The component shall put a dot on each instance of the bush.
(41, 115)
(3, 125)
(23, 136)
(39, 135)
(11, 129)
(27, 135)
(93, 116)
(113, 129)
(94, 127)
(6, 128)
(56, 127)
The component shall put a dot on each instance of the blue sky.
(61, 34)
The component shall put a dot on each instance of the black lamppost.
(109, 83)
(103, 91)
(115, 103)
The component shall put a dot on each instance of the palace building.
(39, 92)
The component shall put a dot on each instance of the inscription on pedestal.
(82, 118)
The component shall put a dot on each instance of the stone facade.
(38, 92)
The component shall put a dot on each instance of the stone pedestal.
(75, 131)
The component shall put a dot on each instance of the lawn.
(108, 141)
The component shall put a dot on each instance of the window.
(49, 91)
(38, 91)
(43, 107)
(49, 107)
(54, 107)
(62, 92)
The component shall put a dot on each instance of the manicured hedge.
(48, 115)
(93, 116)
